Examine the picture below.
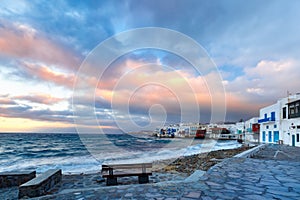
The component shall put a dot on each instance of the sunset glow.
(44, 44)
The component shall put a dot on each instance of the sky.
(52, 76)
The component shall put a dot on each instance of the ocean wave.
(45, 151)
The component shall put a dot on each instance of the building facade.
(280, 122)
(252, 129)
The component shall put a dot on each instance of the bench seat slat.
(127, 166)
(128, 174)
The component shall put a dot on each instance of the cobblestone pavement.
(269, 175)
(88, 181)
(77, 182)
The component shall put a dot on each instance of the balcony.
(268, 119)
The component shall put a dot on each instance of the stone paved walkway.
(269, 175)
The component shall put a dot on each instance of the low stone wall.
(251, 152)
(10, 179)
(41, 184)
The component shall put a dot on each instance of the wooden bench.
(113, 171)
(40, 184)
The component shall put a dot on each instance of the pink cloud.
(40, 98)
(6, 101)
(21, 41)
(143, 84)
(46, 74)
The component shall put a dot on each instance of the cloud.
(262, 85)
(254, 44)
(23, 42)
(44, 73)
(46, 99)
(137, 85)
(269, 78)
(25, 111)
(7, 101)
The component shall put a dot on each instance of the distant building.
(178, 130)
(280, 122)
(252, 129)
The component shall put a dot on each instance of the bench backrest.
(111, 167)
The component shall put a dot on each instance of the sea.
(75, 154)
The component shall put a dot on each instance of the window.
(272, 116)
(284, 113)
(294, 109)
(267, 127)
(297, 137)
(275, 126)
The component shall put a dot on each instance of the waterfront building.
(252, 129)
(280, 122)
(178, 130)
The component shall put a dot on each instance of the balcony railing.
(268, 119)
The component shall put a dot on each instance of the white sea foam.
(39, 153)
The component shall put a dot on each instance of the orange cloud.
(145, 84)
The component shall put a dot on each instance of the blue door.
(270, 136)
(264, 136)
(276, 136)
(293, 140)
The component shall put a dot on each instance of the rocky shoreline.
(202, 161)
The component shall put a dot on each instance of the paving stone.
(253, 197)
(283, 193)
(195, 195)
(128, 195)
(151, 195)
(232, 183)
(249, 191)
(230, 187)
(206, 198)
(213, 184)
(253, 187)
(294, 186)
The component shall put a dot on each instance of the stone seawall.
(10, 179)
(41, 184)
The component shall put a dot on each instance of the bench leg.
(111, 181)
(143, 179)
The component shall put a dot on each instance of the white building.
(179, 130)
(252, 130)
(280, 122)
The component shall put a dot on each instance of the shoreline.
(178, 170)
(202, 161)
(183, 164)
(170, 158)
